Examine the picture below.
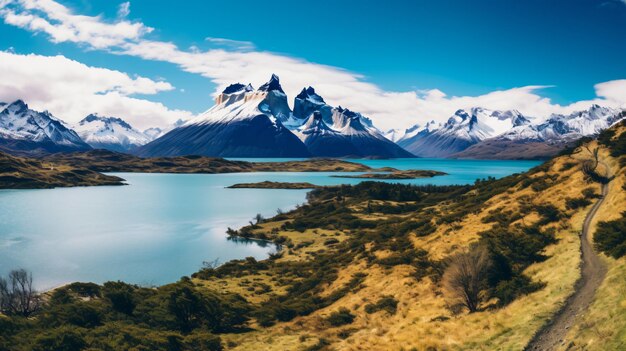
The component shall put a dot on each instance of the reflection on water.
(248, 241)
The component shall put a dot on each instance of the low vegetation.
(273, 185)
(26, 173)
(610, 237)
(410, 174)
(120, 316)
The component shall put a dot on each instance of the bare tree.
(258, 218)
(211, 264)
(465, 278)
(17, 295)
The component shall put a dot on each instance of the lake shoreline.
(184, 230)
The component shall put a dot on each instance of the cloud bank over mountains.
(228, 62)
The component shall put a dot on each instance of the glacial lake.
(163, 226)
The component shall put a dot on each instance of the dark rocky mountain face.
(252, 137)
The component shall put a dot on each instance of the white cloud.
(71, 90)
(123, 10)
(62, 25)
(232, 44)
(237, 62)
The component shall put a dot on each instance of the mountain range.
(483, 133)
(110, 133)
(248, 122)
(245, 122)
(25, 131)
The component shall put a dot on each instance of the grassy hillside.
(371, 267)
(362, 266)
(603, 326)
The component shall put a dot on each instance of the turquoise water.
(163, 226)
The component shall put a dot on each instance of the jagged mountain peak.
(272, 85)
(237, 87)
(111, 133)
(107, 120)
(17, 106)
(315, 124)
(346, 111)
(23, 130)
(310, 94)
(308, 101)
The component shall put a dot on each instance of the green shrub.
(610, 237)
(575, 203)
(120, 296)
(331, 241)
(385, 303)
(507, 291)
(549, 214)
(203, 342)
(590, 193)
(63, 339)
(340, 317)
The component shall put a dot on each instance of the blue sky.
(463, 49)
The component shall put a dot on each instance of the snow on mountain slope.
(347, 136)
(545, 139)
(481, 132)
(110, 133)
(567, 127)
(156, 132)
(353, 139)
(259, 123)
(24, 131)
(460, 131)
(243, 123)
(394, 134)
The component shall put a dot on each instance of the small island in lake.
(396, 174)
(274, 185)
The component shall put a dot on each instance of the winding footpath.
(593, 271)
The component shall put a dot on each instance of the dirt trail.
(593, 271)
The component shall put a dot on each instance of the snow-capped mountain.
(483, 133)
(394, 134)
(110, 133)
(462, 130)
(545, 139)
(338, 132)
(259, 123)
(243, 123)
(25, 131)
(567, 127)
(156, 132)
(353, 139)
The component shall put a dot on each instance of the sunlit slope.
(362, 266)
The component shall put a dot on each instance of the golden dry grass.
(603, 325)
(423, 320)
